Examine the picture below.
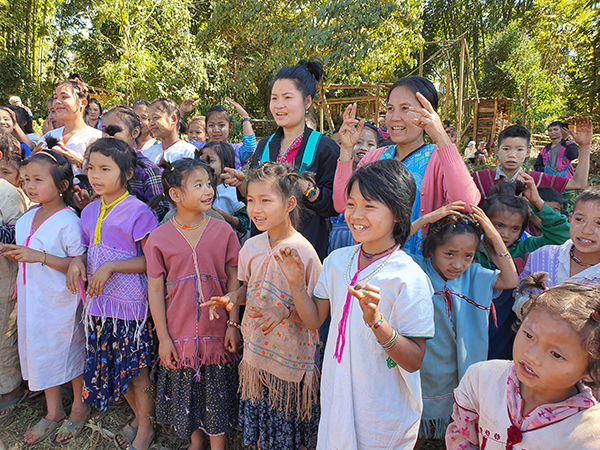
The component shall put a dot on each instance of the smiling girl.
(166, 124)
(439, 171)
(70, 102)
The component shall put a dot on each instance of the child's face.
(197, 193)
(104, 175)
(508, 224)
(66, 103)
(399, 119)
(555, 206)
(39, 184)
(367, 141)
(6, 122)
(113, 120)
(267, 207)
(585, 227)
(212, 159)
(453, 257)
(371, 222)
(549, 356)
(10, 172)
(555, 132)
(141, 112)
(512, 153)
(53, 118)
(93, 111)
(162, 124)
(196, 131)
(287, 105)
(218, 126)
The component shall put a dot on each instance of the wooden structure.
(490, 117)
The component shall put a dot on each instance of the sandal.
(43, 429)
(128, 433)
(73, 427)
(9, 406)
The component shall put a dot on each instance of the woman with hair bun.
(439, 171)
(304, 149)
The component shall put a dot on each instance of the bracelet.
(233, 324)
(304, 287)
(44, 263)
(289, 309)
(506, 254)
(245, 119)
(392, 342)
(376, 324)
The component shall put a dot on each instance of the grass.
(28, 413)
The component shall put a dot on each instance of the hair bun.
(314, 67)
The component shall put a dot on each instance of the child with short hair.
(378, 285)
(219, 124)
(51, 337)
(538, 401)
(166, 125)
(192, 258)
(278, 373)
(513, 150)
(119, 351)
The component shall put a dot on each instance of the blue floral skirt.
(114, 355)
(191, 400)
(275, 429)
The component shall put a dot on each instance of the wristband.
(44, 263)
(230, 323)
(506, 254)
(376, 324)
(245, 119)
(303, 288)
(311, 193)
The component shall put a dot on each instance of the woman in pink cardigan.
(439, 171)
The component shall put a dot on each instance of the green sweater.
(555, 231)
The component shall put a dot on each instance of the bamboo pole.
(461, 83)
(448, 86)
(524, 122)
(421, 62)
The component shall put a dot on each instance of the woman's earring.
(307, 112)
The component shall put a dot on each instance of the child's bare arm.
(453, 208)
(509, 278)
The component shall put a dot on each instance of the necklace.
(370, 256)
(281, 157)
(375, 272)
(577, 260)
(187, 227)
(102, 215)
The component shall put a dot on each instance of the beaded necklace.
(577, 260)
(193, 227)
(370, 256)
(375, 272)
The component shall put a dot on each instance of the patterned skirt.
(114, 355)
(275, 429)
(191, 400)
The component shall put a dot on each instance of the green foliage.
(16, 80)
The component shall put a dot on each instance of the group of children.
(143, 240)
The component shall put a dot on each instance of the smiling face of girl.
(585, 229)
(218, 126)
(93, 111)
(162, 124)
(6, 122)
(67, 104)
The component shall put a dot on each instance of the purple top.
(125, 294)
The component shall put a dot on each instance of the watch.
(311, 193)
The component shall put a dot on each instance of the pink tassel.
(81, 291)
(341, 338)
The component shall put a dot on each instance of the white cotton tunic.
(51, 336)
(180, 149)
(78, 143)
(365, 403)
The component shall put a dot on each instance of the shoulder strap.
(310, 151)
(265, 154)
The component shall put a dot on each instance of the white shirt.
(180, 149)
(78, 143)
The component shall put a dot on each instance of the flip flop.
(69, 426)
(128, 433)
(9, 406)
(44, 428)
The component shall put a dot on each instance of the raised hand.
(350, 132)
(188, 105)
(82, 198)
(239, 108)
(292, 266)
(268, 318)
(531, 193)
(451, 209)
(584, 130)
(486, 225)
(216, 303)
(368, 298)
(429, 120)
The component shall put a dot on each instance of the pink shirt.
(446, 180)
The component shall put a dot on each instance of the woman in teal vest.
(295, 144)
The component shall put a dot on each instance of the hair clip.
(595, 316)
(289, 173)
(172, 168)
